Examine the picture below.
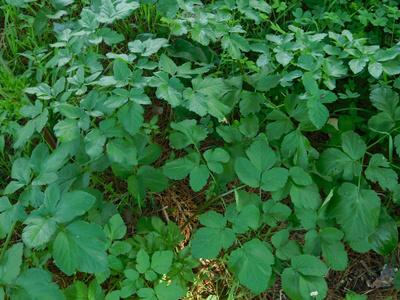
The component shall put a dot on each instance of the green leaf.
(115, 229)
(123, 157)
(275, 211)
(267, 83)
(94, 143)
(193, 133)
(254, 172)
(317, 112)
(71, 205)
(148, 47)
(212, 219)
(249, 217)
(385, 100)
(310, 84)
(385, 239)
(375, 69)
(154, 179)
(299, 176)
(334, 161)
(36, 284)
(143, 261)
(130, 115)
(274, 179)
(215, 158)
(357, 211)
(121, 70)
(327, 240)
(161, 261)
(81, 246)
(168, 8)
(180, 168)
(378, 171)
(67, 130)
(11, 263)
(198, 177)
(167, 65)
(353, 145)
(306, 196)
(207, 242)
(249, 126)
(309, 265)
(235, 43)
(251, 264)
(358, 64)
(39, 229)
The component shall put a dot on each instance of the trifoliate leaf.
(378, 171)
(357, 211)
(251, 264)
(81, 246)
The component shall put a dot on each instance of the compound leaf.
(81, 246)
(251, 264)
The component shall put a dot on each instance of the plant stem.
(5, 246)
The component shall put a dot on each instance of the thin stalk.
(5, 246)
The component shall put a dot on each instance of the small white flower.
(315, 293)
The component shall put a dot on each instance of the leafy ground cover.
(171, 149)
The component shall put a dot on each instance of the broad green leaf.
(275, 211)
(375, 69)
(381, 122)
(24, 134)
(193, 133)
(154, 179)
(289, 250)
(130, 115)
(71, 205)
(115, 229)
(198, 177)
(378, 171)
(357, 211)
(21, 170)
(123, 157)
(309, 265)
(306, 196)
(215, 158)
(310, 84)
(317, 112)
(335, 161)
(180, 168)
(94, 143)
(385, 100)
(36, 284)
(11, 263)
(169, 292)
(247, 172)
(207, 242)
(234, 44)
(249, 126)
(385, 239)
(268, 82)
(39, 229)
(212, 219)
(291, 284)
(282, 124)
(280, 238)
(249, 217)
(353, 145)
(168, 8)
(9, 214)
(67, 130)
(327, 240)
(274, 179)
(167, 65)
(358, 64)
(143, 261)
(161, 261)
(299, 176)
(121, 70)
(81, 246)
(251, 264)
(148, 47)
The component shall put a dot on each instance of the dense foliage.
(288, 108)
